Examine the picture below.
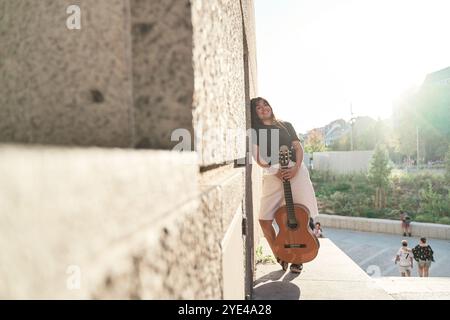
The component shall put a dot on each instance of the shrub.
(425, 196)
(432, 202)
(263, 259)
(342, 186)
(371, 213)
(444, 220)
(424, 218)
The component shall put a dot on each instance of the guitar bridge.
(295, 246)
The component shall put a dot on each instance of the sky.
(316, 58)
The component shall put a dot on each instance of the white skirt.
(273, 193)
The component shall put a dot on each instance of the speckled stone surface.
(137, 70)
(163, 76)
(61, 86)
(107, 212)
(250, 33)
(219, 98)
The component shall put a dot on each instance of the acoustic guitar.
(295, 241)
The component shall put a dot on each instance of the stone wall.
(65, 87)
(132, 224)
(219, 97)
(105, 212)
(163, 76)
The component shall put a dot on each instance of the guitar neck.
(288, 198)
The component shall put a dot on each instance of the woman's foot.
(296, 268)
(283, 264)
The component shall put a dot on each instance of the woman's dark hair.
(256, 122)
(423, 239)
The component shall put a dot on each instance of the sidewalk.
(332, 275)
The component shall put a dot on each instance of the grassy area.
(424, 195)
(264, 259)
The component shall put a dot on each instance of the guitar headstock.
(285, 155)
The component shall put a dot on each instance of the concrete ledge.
(415, 288)
(419, 229)
(117, 220)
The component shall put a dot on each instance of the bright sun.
(316, 58)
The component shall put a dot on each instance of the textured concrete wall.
(163, 76)
(138, 224)
(136, 71)
(219, 94)
(223, 197)
(248, 8)
(107, 213)
(418, 229)
(61, 86)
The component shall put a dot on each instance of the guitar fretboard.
(289, 200)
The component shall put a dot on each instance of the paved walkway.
(374, 252)
(332, 275)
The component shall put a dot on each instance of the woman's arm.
(290, 173)
(260, 161)
(298, 153)
(264, 164)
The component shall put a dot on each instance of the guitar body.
(295, 242)
(295, 245)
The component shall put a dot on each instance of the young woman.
(268, 128)
(423, 254)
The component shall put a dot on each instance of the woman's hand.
(287, 174)
(278, 175)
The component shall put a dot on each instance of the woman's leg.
(425, 271)
(408, 273)
(420, 271)
(269, 232)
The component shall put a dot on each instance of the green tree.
(341, 144)
(378, 175)
(315, 142)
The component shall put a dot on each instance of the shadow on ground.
(276, 289)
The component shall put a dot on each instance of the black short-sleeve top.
(286, 137)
